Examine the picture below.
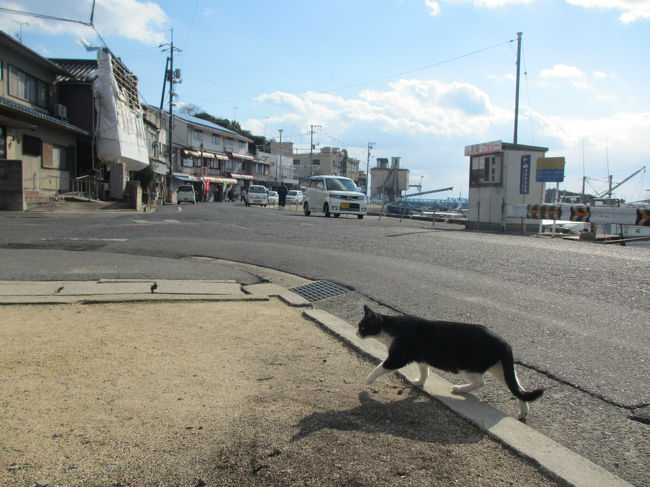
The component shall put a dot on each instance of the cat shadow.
(408, 418)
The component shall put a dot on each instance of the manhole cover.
(318, 290)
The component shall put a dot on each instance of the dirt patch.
(218, 394)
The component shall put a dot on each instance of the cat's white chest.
(385, 338)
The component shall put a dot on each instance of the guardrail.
(582, 213)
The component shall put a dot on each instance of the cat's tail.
(508, 364)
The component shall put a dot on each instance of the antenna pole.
(519, 34)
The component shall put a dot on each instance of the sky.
(416, 79)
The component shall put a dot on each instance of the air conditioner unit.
(60, 111)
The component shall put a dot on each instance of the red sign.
(483, 148)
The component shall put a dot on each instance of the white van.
(258, 195)
(185, 192)
(334, 195)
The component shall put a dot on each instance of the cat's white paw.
(457, 390)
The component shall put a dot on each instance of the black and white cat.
(471, 350)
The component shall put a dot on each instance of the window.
(242, 145)
(316, 162)
(198, 136)
(28, 88)
(32, 146)
(296, 162)
(485, 170)
(216, 139)
(55, 157)
(3, 141)
(234, 166)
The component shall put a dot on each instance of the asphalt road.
(575, 312)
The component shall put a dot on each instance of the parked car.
(334, 195)
(257, 195)
(295, 197)
(273, 198)
(185, 192)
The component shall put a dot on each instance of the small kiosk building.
(502, 174)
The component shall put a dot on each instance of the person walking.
(282, 194)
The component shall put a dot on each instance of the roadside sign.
(550, 170)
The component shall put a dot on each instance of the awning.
(245, 157)
(241, 176)
(186, 177)
(206, 154)
(219, 180)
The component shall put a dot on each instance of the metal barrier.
(582, 213)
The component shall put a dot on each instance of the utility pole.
(519, 34)
(370, 146)
(173, 77)
(279, 158)
(311, 148)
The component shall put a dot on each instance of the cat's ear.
(370, 314)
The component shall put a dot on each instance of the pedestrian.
(282, 194)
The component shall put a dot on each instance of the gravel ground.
(218, 394)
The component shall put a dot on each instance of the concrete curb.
(551, 457)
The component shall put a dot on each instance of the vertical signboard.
(524, 180)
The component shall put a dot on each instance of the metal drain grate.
(318, 290)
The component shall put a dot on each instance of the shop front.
(217, 188)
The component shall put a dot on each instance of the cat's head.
(370, 324)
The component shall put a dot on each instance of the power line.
(448, 60)
(51, 17)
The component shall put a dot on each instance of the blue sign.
(524, 179)
(550, 170)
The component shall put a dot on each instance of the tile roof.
(17, 107)
(200, 121)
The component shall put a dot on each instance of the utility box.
(502, 174)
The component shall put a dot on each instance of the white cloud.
(492, 3)
(145, 22)
(433, 6)
(599, 75)
(410, 107)
(509, 77)
(562, 71)
(632, 10)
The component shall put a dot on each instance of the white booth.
(502, 174)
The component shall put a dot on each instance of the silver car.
(273, 198)
(185, 192)
(295, 197)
